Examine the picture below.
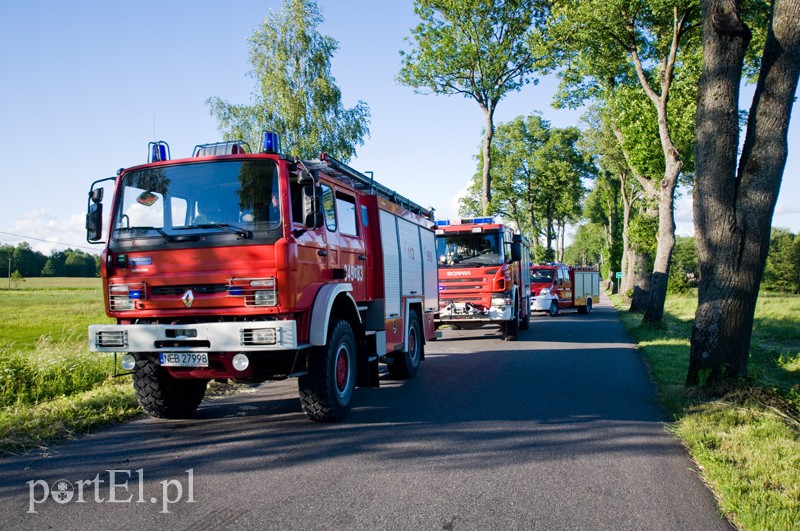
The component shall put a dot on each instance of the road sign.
(619, 274)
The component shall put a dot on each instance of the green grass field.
(51, 386)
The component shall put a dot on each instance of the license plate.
(184, 359)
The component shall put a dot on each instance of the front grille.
(203, 289)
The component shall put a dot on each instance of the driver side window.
(328, 207)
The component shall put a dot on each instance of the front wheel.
(406, 364)
(162, 396)
(511, 327)
(553, 310)
(326, 390)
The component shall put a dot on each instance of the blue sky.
(87, 84)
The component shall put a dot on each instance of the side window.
(328, 207)
(346, 210)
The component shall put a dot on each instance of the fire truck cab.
(258, 266)
(557, 286)
(483, 275)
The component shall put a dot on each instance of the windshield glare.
(198, 198)
(542, 275)
(479, 249)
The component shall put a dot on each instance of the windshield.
(478, 249)
(174, 202)
(542, 275)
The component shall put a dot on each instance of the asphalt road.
(558, 430)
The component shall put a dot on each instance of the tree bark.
(733, 207)
(642, 264)
(486, 195)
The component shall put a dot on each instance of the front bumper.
(541, 303)
(244, 336)
(455, 312)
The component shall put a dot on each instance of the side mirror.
(516, 251)
(312, 213)
(94, 222)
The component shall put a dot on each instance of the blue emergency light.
(157, 151)
(272, 142)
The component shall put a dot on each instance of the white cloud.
(46, 233)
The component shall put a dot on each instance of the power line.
(50, 241)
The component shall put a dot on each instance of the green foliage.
(538, 174)
(16, 278)
(296, 94)
(588, 247)
(479, 49)
(475, 48)
(684, 272)
(782, 272)
(31, 264)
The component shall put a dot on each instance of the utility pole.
(9, 273)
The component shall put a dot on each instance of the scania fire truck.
(557, 286)
(257, 266)
(483, 275)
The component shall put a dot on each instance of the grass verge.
(746, 442)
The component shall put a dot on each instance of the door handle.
(362, 257)
(322, 252)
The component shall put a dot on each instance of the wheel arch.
(332, 298)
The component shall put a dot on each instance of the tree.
(474, 48)
(539, 176)
(16, 278)
(607, 44)
(735, 196)
(296, 95)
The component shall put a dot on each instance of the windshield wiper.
(227, 227)
(160, 231)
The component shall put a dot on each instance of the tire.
(525, 323)
(511, 328)
(326, 390)
(553, 310)
(406, 364)
(587, 308)
(162, 396)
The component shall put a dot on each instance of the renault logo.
(188, 299)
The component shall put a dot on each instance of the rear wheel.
(160, 395)
(326, 390)
(553, 310)
(587, 308)
(406, 364)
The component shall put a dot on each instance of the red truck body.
(483, 275)
(555, 287)
(251, 267)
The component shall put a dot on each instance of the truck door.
(565, 288)
(352, 258)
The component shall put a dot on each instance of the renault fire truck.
(232, 265)
(483, 275)
(557, 286)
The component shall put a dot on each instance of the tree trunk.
(666, 242)
(486, 195)
(626, 266)
(733, 208)
(642, 264)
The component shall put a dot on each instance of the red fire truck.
(557, 286)
(256, 266)
(483, 275)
